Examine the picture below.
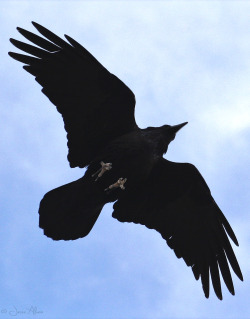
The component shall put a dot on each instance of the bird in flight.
(124, 163)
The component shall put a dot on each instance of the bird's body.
(124, 163)
(132, 155)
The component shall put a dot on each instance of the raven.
(124, 163)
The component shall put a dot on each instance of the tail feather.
(70, 211)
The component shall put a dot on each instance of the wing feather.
(177, 202)
(95, 105)
(23, 58)
(41, 42)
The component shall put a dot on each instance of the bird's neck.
(158, 140)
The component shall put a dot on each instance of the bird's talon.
(120, 183)
(105, 167)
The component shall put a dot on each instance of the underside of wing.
(95, 105)
(177, 202)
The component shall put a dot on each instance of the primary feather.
(95, 105)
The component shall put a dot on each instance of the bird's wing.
(177, 202)
(95, 105)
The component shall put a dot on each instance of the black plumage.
(124, 163)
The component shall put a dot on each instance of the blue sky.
(185, 61)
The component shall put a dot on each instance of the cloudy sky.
(185, 61)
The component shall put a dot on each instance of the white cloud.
(230, 120)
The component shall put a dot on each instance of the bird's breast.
(124, 164)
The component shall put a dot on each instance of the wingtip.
(206, 295)
(35, 24)
(26, 68)
(232, 291)
(70, 40)
(218, 294)
(238, 272)
(234, 239)
(240, 276)
(20, 30)
(206, 290)
(66, 37)
(14, 42)
(11, 54)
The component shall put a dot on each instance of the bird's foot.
(120, 183)
(105, 167)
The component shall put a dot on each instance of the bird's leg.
(105, 167)
(120, 183)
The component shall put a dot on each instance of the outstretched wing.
(177, 202)
(96, 106)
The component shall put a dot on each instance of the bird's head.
(162, 136)
(169, 133)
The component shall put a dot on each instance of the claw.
(120, 183)
(105, 167)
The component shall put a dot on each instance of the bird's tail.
(70, 211)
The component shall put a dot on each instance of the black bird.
(124, 163)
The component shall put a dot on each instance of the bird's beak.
(176, 128)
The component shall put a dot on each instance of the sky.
(185, 61)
